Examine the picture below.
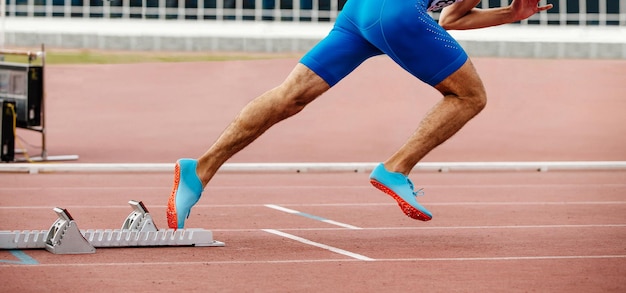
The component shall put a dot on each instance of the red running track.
(492, 231)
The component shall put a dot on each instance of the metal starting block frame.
(138, 230)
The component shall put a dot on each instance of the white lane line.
(508, 258)
(310, 216)
(444, 228)
(527, 203)
(320, 245)
(298, 261)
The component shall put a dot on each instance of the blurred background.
(572, 29)
(565, 12)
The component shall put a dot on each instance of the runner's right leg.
(300, 88)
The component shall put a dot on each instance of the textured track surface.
(491, 231)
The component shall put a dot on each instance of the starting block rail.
(138, 230)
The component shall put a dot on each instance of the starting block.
(138, 230)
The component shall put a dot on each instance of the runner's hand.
(524, 9)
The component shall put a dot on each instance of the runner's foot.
(400, 187)
(185, 194)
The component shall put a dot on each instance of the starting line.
(138, 230)
(358, 167)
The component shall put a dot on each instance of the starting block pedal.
(64, 237)
(138, 230)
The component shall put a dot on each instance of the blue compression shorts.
(401, 29)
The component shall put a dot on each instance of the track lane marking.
(320, 245)
(23, 258)
(442, 228)
(329, 260)
(310, 216)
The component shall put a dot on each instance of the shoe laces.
(419, 192)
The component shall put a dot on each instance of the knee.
(474, 97)
(293, 99)
(286, 102)
(477, 101)
(291, 103)
(466, 86)
(470, 100)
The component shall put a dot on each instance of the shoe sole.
(172, 216)
(408, 209)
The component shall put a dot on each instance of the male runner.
(400, 29)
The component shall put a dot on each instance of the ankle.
(205, 172)
(397, 168)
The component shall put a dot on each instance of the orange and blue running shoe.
(402, 190)
(185, 193)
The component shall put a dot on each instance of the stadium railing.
(564, 13)
(572, 29)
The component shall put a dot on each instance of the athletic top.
(439, 4)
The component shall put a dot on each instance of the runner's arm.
(464, 15)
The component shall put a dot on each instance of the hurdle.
(138, 230)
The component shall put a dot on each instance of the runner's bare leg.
(463, 97)
(301, 87)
